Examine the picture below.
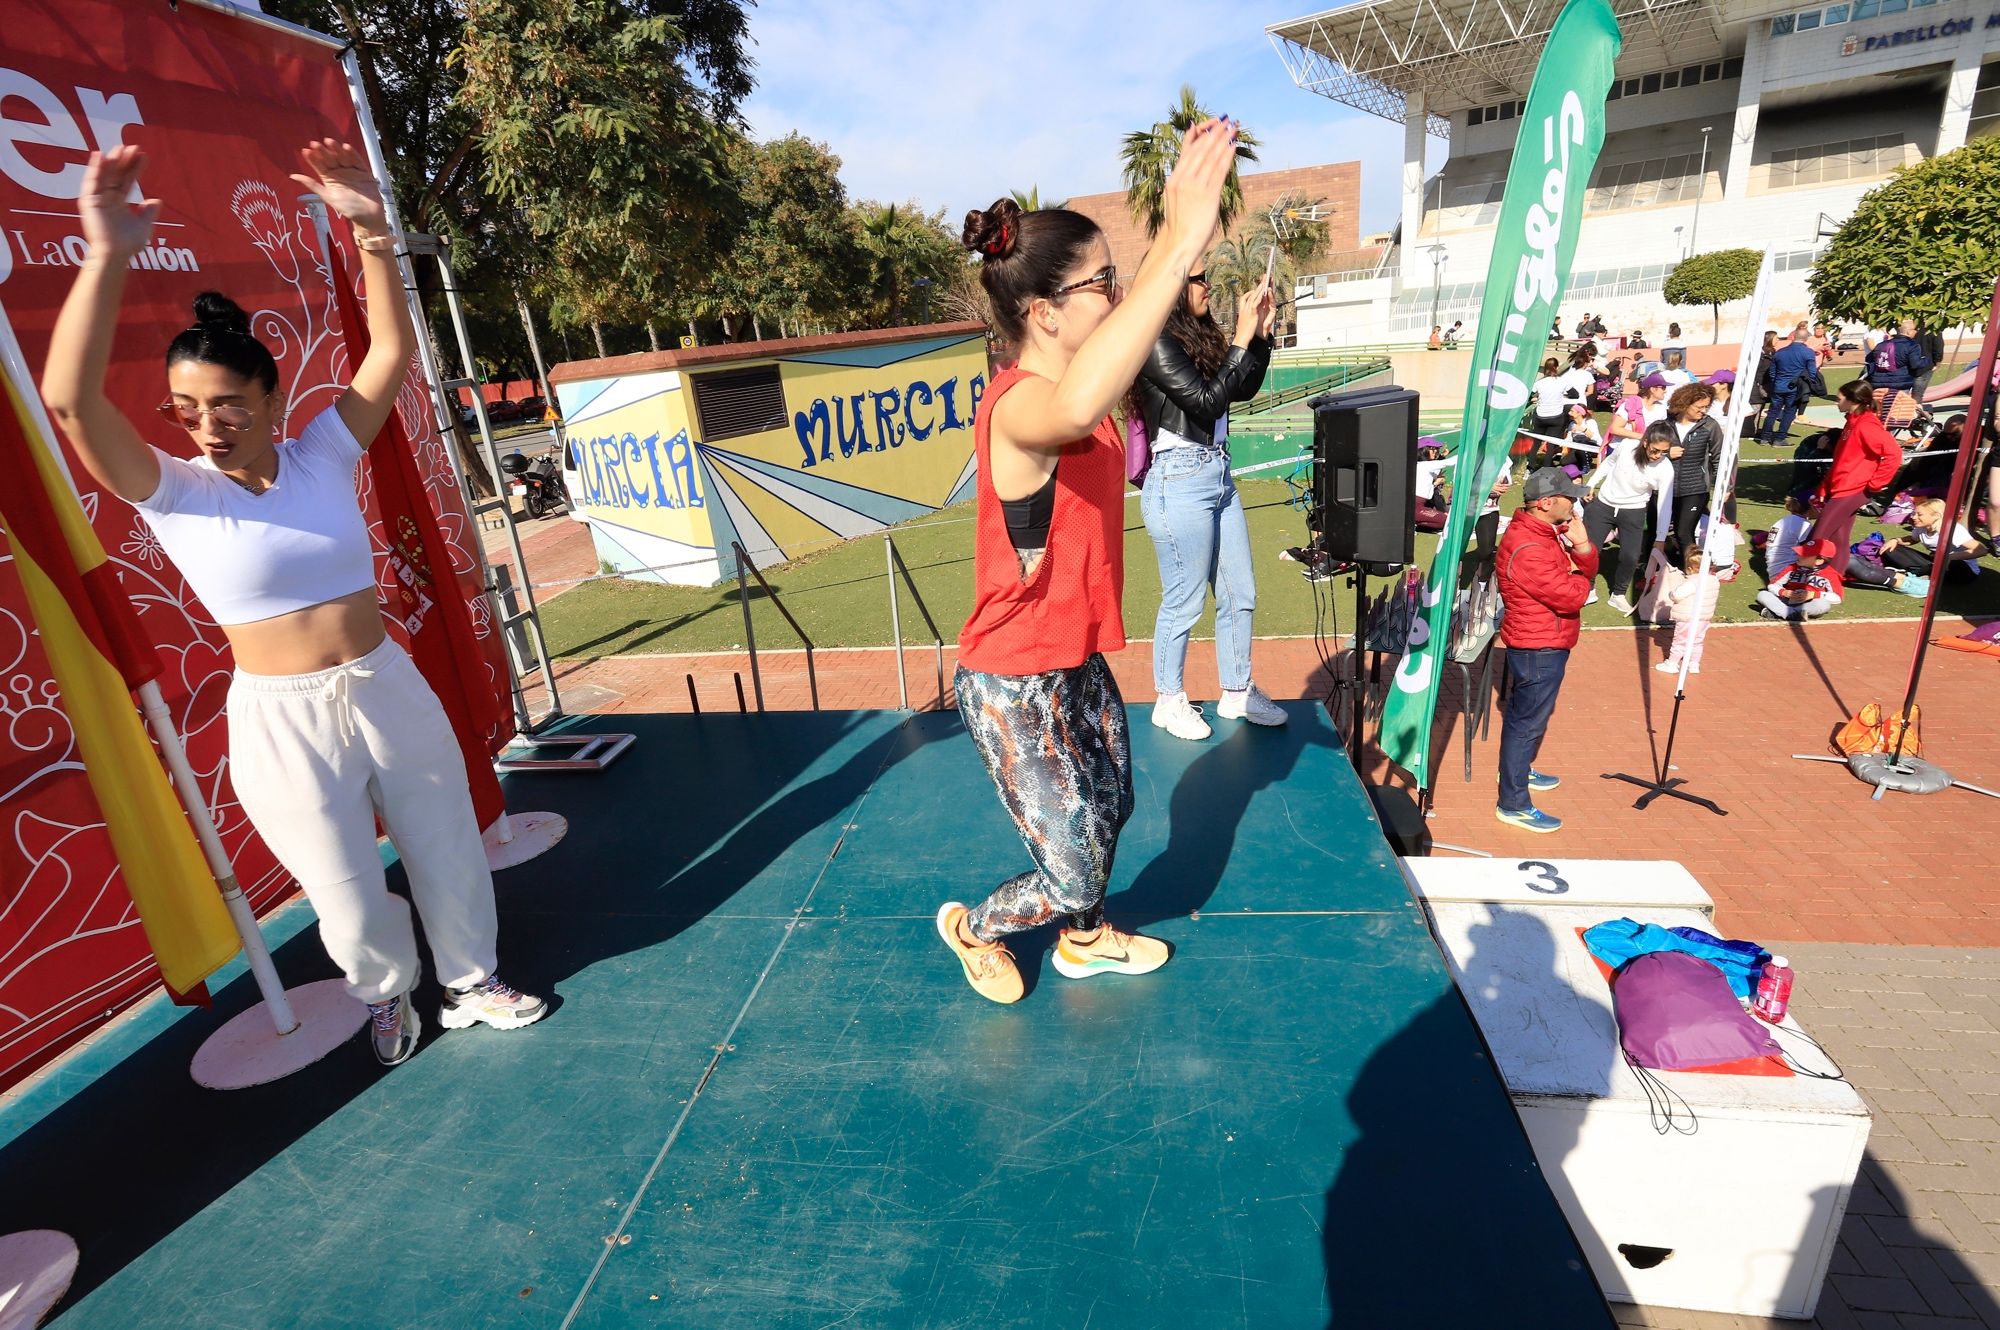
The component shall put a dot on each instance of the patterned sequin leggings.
(1058, 750)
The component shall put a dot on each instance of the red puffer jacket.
(1543, 585)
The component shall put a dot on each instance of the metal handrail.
(897, 565)
(1345, 371)
(750, 633)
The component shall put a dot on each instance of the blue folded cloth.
(1617, 941)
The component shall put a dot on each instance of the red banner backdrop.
(221, 103)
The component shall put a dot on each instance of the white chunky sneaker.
(1180, 717)
(492, 1002)
(1250, 705)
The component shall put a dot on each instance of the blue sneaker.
(1530, 819)
(1542, 780)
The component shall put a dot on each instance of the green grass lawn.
(840, 595)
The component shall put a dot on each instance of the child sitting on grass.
(1916, 552)
(1810, 589)
(1693, 598)
(1781, 542)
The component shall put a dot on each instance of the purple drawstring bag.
(1676, 1011)
(1138, 449)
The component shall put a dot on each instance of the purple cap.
(1654, 380)
(1723, 376)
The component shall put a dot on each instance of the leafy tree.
(1149, 154)
(1713, 279)
(1925, 245)
(414, 67)
(1031, 200)
(595, 134)
(796, 258)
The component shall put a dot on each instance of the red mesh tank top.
(1068, 610)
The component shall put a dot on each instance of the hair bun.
(994, 233)
(217, 312)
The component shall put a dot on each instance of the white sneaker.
(1622, 605)
(1593, 598)
(1668, 667)
(1250, 705)
(1180, 717)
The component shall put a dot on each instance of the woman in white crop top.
(330, 723)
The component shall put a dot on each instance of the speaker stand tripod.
(1348, 687)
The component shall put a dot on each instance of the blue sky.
(952, 106)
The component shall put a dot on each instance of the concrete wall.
(1809, 59)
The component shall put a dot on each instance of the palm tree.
(1150, 153)
(880, 230)
(1032, 200)
(1298, 227)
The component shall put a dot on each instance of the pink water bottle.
(1774, 991)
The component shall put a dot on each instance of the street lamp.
(924, 285)
(1700, 188)
(1437, 263)
(1680, 250)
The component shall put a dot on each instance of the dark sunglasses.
(1197, 279)
(235, 419)
(1106, 278)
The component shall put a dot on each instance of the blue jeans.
(1195, 518)
(1779, 413)
(1534, 678)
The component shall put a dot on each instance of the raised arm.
(73, 381)
(1042, 415)
(341, 178)
(1170, 369)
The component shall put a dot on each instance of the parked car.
(530, 408)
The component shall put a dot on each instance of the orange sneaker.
(1108, 951)
(989, 966)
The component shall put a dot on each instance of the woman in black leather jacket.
(1190, 505)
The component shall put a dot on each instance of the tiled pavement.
(1888, 909)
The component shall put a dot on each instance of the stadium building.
(1731, 123)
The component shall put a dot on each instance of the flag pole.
(158, 719)
(1976, 414)
(1725, 482)
(240, 1048)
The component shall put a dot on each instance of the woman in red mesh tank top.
(1033, 688)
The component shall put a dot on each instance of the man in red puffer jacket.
(1546, 564)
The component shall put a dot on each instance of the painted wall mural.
(781, 447)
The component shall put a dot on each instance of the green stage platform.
(767, 1098)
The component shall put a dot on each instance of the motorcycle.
(537, 484)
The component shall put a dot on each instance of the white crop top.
(302, 542)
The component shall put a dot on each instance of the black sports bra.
(1028, 519)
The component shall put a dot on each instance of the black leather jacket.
(1174, 395)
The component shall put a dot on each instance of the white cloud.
(954, 107)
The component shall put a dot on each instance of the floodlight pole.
(1700, 188)
(1437, 264)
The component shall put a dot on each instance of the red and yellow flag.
(98, 655)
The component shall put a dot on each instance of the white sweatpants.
(314, 758)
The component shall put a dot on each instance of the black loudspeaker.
(1365, 474)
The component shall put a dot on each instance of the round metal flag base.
(1908, 775)
(248, 1051)
(533, 834)
(36, 1266)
